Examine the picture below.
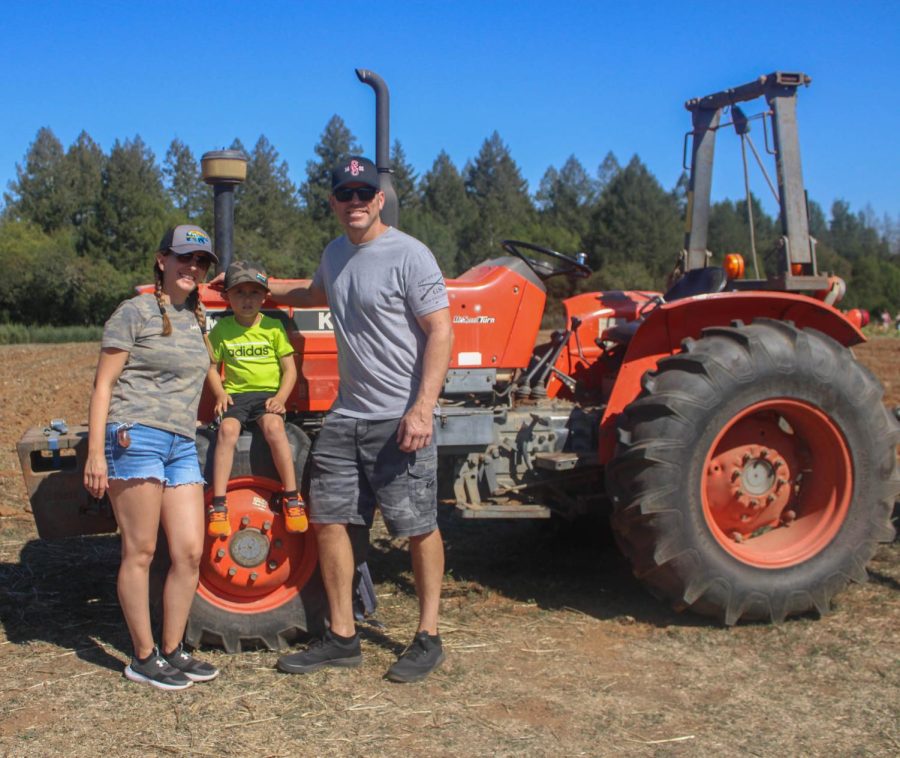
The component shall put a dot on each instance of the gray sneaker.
(327, 651)
(424, 654)
(157, 672)
(194, 669)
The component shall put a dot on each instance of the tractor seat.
(698, 281)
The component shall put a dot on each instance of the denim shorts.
(153, 454)
(356, 464)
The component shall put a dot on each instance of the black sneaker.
(157, 672)
(327, 651)
(424, 654)
(193, 669)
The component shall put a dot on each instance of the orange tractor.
(746, 456)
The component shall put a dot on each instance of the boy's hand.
(222, 403)
(274, 405)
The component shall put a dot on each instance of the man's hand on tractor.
(415, 429)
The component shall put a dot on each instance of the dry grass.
(553, 649)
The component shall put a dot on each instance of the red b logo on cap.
(354, 168)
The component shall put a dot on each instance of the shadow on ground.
(551, 563)
(64, 592)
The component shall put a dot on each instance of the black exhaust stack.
(224, 170)
(390, 214)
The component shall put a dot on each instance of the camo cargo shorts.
(356, 465)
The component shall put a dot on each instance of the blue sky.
(553, 78)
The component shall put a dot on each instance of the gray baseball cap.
(240, 272)
(187, 238)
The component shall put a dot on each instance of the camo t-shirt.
(163, 377)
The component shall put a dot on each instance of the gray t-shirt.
(375, 291)
(163, 377)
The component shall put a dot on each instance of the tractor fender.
(661, 332)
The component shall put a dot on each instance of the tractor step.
(558, 461)
(501, 510)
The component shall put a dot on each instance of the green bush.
(20, 334)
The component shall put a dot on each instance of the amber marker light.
(734, 265)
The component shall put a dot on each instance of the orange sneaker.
(295, 519)
(217, 523)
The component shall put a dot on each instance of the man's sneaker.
(194, 669)
(327, 651)
(424, 654)
(157, 672)
(217, 523)
(294, 515)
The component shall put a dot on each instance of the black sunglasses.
(200, 259)
(345, 194)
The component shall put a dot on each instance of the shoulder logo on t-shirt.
(428, 289)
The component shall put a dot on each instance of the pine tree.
(336, 143)
(404, 179)
(565, 197)
(445, 211)
(133, 210)
(495, 184)
(185, 187)
(635, 220)
(83, 168)
(38, 193)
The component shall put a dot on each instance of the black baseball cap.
(187, 238)
(355, 170)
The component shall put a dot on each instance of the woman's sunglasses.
(201, 260)
(345, 194)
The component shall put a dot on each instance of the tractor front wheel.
(755, 473)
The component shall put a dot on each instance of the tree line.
(79, 226)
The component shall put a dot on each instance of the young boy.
(259, 376)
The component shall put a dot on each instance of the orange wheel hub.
(260, 566)
(777, 483)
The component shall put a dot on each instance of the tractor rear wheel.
(259, 586)
(755, 473)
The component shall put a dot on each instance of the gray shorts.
(357, 464)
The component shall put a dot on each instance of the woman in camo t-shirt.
(154, 359)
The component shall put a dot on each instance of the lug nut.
(245, 521)
(220, 553)
(735, 475)
(770, 499)
(737, 537)
(272, 565)
(788, 517)
(763, 453)
(232, 571)
(266, 526)
(254, 576)
(745, 458)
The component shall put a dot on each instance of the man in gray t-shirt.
(391, 321)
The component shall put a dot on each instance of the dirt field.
(553, 648)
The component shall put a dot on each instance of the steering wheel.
(544, 269)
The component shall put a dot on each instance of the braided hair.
(157, 292)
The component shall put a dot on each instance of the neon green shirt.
(251, 354)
